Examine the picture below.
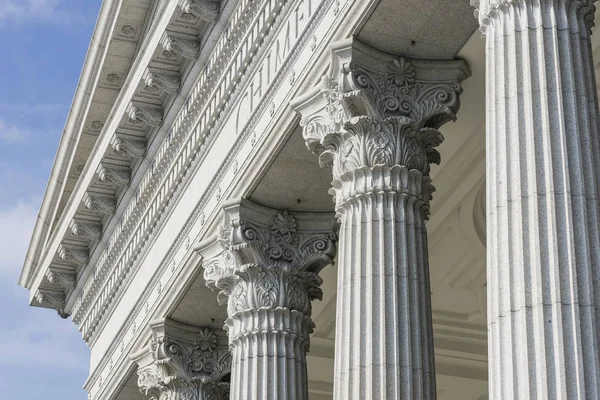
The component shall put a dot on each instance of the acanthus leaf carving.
(101, 204)
(207, 10)
(272, 265)
(55, 300)
(77, 256)
(177, 366)
(379, 111)
(168, 83)
(186, 48)
(87, 230)
(66, 279)
(147, 115)
(135, 148)
(119, 177)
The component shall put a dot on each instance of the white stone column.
(543, 160)
(184, 362)
(375, 121)
(265, 265)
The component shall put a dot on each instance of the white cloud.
(16, 226)
(10, 133)
(30, 336)
(56, 345)
(21, 11)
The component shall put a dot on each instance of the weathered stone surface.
(265, 265)
(543, 223)
(375, 123)
(183, 362)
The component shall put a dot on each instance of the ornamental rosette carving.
(276, 265)
(178, 368)
(376, 110)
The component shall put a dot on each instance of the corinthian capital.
(574, 15)
(268, 259)
(184, 362)
(375, 114)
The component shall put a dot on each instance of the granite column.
(374, 120)
(543, 181)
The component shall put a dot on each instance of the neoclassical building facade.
(330, 199)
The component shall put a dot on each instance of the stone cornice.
(97, 383)
(83, 96)
(86, 310)
(103, 151)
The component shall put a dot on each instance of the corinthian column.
(543, 160)
(265, 265)
(184, 362)
(374, 120)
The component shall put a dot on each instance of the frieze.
(164, 159)
(319, 8)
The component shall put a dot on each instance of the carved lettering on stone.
(207, 10)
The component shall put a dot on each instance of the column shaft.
(265, 265)
(375, 122)
(269, 354)
(384, 346)
(543, 178)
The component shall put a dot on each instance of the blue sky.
(43, 44)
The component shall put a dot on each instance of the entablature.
(102, 197)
